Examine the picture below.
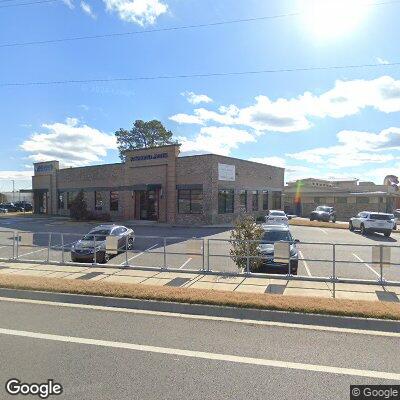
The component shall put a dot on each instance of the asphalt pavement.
(110, 354)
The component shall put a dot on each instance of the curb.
(209, 310)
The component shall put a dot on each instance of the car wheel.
(334, 219)
(130, 243)
(293, 267)
(351, 227)
(311, 219)
(387, 234)
(363, 230)
(104, 258)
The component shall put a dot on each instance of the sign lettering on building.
(226, 172)
(146, 157)
(45, 168)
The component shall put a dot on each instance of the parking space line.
(186, 262)
(139, 254)
(31, 252)
(367, 265)
(323, 230)
(305, 263)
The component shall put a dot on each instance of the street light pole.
(13, 189)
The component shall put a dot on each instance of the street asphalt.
(353, 251)
(106, 354)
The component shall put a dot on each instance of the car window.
(276, 236)
(381, 217)
(277, 214)
(321, 208)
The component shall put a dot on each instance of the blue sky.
(327, 123)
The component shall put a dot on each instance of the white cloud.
(295, 114)
(87, 9)
(354, 148)
(194, 98)
(69, 4)
(381, 60)
(16, 175)
(273, 160)
(72, 143)
(141, 12)
(216, 139)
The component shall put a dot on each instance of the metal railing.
(333, 262)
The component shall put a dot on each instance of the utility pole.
(13, 190)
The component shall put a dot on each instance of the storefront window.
(98, 201)
(70, 198)
(225, 201)
(114, 199)
(362, 200)
(190, 201)
(265, 200)
(255, 200)
(243, 200)
(61, 201)
(276, 200)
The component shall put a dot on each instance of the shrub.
(93, 216)
(245, 238)
(78, 209)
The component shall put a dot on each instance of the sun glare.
(327, 19)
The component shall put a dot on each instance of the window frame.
(191, 193)
(228, 193)
(112, 201)
(96, 207)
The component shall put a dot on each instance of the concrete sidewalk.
(203, 281)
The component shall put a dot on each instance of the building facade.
(156, 184)
(348, 197)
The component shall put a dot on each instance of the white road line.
(31, 252)
(323, 230)
(367, 265)
(3, 247)
(186, 262)
(204, 317)
(204, 355)
(305, 263)
(139, 254)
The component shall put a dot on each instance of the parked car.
(323, 213)
(84, 249)
(3, 210)
(271, 235)
(10, 207)
(276, 217)
(23, 206)
(377, 222)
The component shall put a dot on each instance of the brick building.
(156, 184)
(348, 197)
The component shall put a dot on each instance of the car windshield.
(321, 208)
(277, 214)
(382, 217)
(276, 236)
(100, 235)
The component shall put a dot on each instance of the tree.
(143, 134)
(78, 209)
(245, 238)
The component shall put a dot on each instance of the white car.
(377, 222)
(276, 217)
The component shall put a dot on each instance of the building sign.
(226, 172)
(44, 168)
(146, 157)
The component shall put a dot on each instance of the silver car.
(92, 247)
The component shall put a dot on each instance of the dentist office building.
(156, 184)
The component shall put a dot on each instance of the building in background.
(18, 195)
(347, 196)
(156, 184)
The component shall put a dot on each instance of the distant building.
(347, 196)
(18, 195)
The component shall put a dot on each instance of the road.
(187, 252)
(109, 354)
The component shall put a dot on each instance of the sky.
(335, 122)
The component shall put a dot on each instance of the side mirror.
(296, 240)
(289, 217)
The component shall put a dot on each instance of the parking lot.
(198, 248)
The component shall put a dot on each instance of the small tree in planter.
(245, 238)
(78, 209)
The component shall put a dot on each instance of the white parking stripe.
(323, 230)
(186, 262)
(205, 355)
(367, 265)
(304, 263)
(139, 254)
(31, 252)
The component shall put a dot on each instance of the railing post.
(18, 237)
(48, 248)
(13, 246)
(247, 257)
(334, 269)
(381, 263)
(62, 248)
(203, 252)
(126, 251)
(94, 250)
(208, 255)
(165, 253)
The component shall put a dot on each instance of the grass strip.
(313, 305)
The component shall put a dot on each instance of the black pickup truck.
(323, 213)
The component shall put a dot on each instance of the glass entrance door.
(148, 205)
